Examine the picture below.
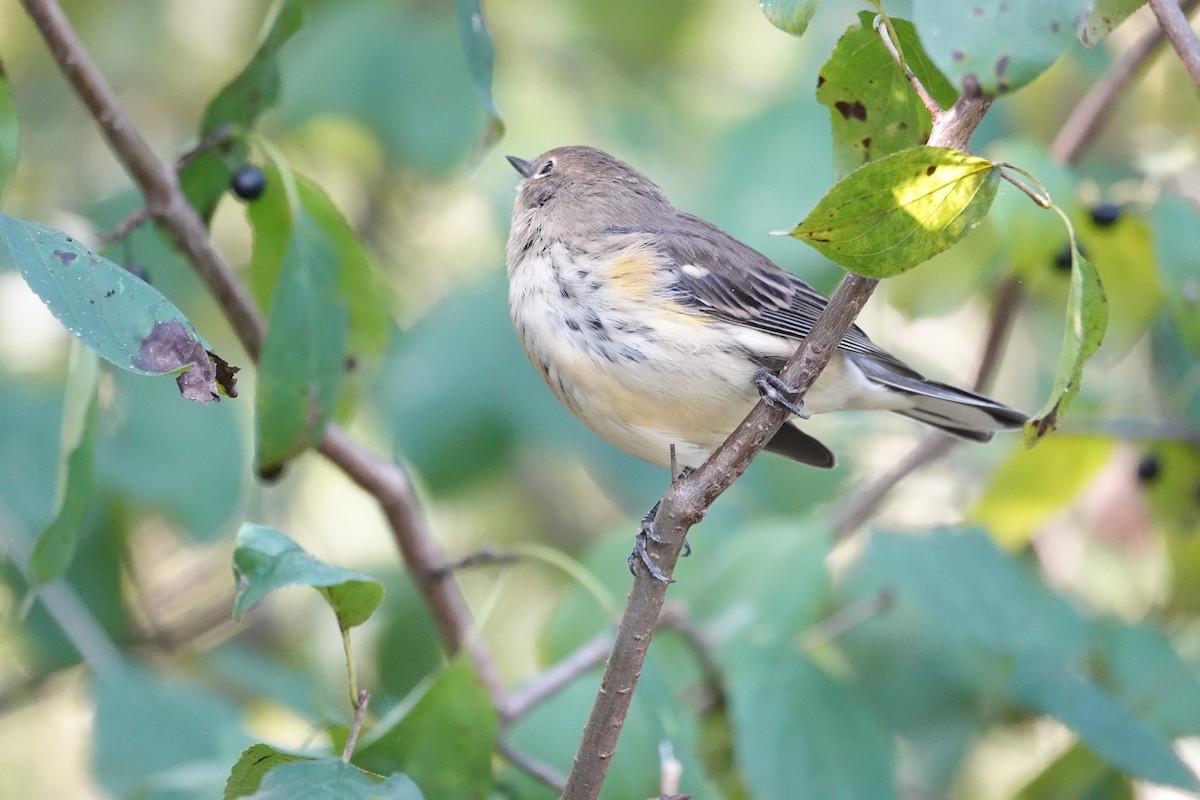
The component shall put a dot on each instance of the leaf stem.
(361, 700)
(887, 32)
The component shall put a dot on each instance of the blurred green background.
(717, 106)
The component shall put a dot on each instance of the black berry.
(1062, 259)
(249, 183)
(1148, 468)
(1105, 214)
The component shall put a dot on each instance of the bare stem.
(1174, 23)
(545, 773)
(558, 676)
(167, 206)
(887, 32)
(361, 700)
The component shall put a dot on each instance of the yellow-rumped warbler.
(656, 328)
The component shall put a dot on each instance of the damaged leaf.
(124, 319)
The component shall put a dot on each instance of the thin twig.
(484, 557)
(1083, 123)
(360, 712)
(887, 32)
(543, 772)
(171, 211)
(847, 619)
(1174, 23)
(554, 678)
(139, 215)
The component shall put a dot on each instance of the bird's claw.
(646, 533)
(774, 392)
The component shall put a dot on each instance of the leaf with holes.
(892, 214)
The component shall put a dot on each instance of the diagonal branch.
(1174, 23)
(686, 501)
(167, 206)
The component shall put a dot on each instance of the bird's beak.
(521, 165)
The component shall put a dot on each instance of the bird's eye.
(547, 168)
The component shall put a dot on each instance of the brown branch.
(1174, 23)
(686, 501)
(1084, 121)
(545, 773)
(167, 206)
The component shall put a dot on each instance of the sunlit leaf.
(1033, 485)
(265, 560)
(872, 108)
(996, 46)
(1123, 254)
(1078, 773)
(1087, 317)
(9, 131)
(124, 319)
(1103, 17)
(894, 213)
(790, 16)
(55, 547)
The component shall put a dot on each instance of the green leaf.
(1123, 255)
(303, 359)
(790, 16)
(1045, 684)
(1087, 317)
(1033, 485)
(255, 762)
(890, 215)
(328, 778)
(148, 729)
(1078, 773)
(265, 560)
(55, 547)
(476, 41)
(1173, 221)
(124, 319)
(1103, 17)
(359, 287)
(1148, 676)
(445, 742)
(799, 732)
(256, 89)
(873, 109)
(9, 131)
(997, 46)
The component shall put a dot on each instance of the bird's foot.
(646, 533)
(774, 392)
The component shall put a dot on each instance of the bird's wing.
(715, 274)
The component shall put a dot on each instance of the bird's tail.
(959, 412)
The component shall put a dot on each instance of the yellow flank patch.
(632, 273)
(634, 279)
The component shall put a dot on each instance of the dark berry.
(249, 183)
(1148, 468)
(1105, 214)
(1062, 259)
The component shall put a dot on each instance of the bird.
(660, 331)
